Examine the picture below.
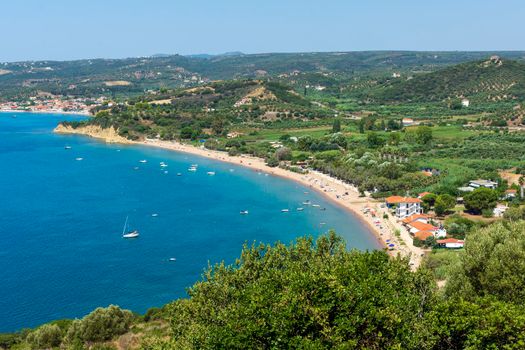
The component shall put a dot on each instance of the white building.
(405, 206)
(483, 183)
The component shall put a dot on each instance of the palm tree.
(521, 181)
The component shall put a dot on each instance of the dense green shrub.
(100, 325)
(46, 336)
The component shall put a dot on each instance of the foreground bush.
(100, 325)
(45, 337)
(305, 296)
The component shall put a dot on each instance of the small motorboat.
(315, 205)
(67, 147)
(172, 259)
(143, 161)
(179, 174)
(163, 165)
(192, 169)
(211, 173)
(136, 168)
(285, 210)
(300, 209)
(307, 203)
(322, 223)
(154, 215)
(244, 212)
(79, 158)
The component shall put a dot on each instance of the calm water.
(61, 251)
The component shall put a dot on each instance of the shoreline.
(82, 113)
(367, 210)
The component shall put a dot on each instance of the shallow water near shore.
(61, 249)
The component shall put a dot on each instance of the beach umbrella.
(391, 245)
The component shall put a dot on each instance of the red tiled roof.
(423, 194)
(414, 217)
(399, 199)
(421, 226)
(510, 191)
(422, 235)
(449, 240)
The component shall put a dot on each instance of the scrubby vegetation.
(320, 295)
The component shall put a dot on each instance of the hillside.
(205, 110)
(132, 76)
(488, 80)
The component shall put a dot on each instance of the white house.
(500, 210)
(451, 243)
(483, 183)
(405, 206)
(465, 102)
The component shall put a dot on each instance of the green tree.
(423, 135)
(336, 126)
(45, 337)
(306, 295)
(483, 323)
(283, 153)
(394, 138)
(361, 126)
(443, 203)
(480, 199)
(374, 140)
(514, 214)
(428, 201)
(100, 325)
(493, 264)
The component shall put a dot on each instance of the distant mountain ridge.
(95, 77)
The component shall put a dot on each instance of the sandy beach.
(368, 210)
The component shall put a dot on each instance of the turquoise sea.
(61, 251)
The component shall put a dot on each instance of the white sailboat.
(129, 234)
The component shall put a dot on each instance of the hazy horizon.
(59, 30)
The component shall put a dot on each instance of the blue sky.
(73, 29)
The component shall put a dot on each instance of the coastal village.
(47, 103)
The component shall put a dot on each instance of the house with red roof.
(417, 226)
(404, 206)
(451, 243)
(416, 217)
